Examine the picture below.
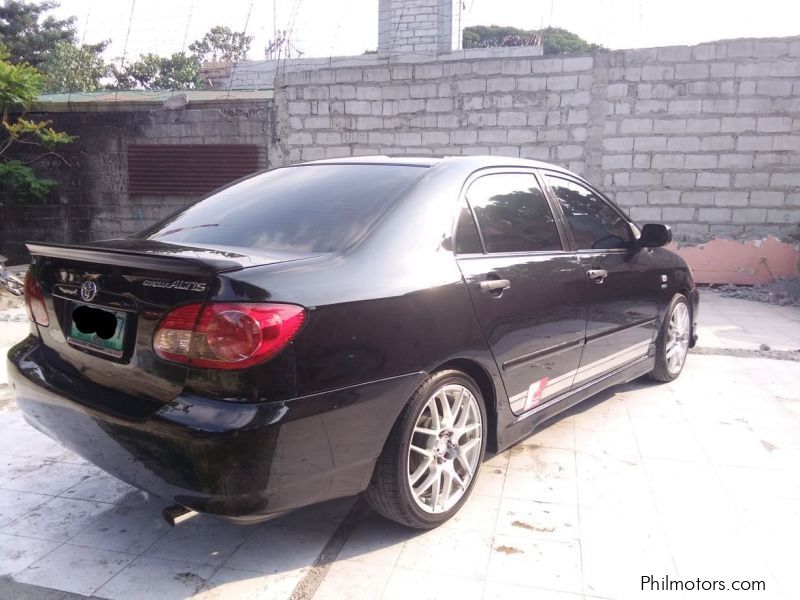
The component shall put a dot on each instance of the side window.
(513, 214)
(467, 239)
(594, 224)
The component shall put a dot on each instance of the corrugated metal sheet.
(187, 169)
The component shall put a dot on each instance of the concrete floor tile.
(603, 412)
(558, 434)
(748, 482)
(228, 584)
(540, 520)
(14, 504)
(323, 517)
(490, 482)
(376, 540)
(354, 580)
(677, 442)
(279, 549)
(607, 481)
(75, 569)
(12, 467)
(201, 540)
(450, 551)
(617, 444)
(147, 578)
(18, 553)
(536, 563)
(126, 529)
(478, 513)
(505, 591)
(616, 571)
(498, 461)
(101, 487)
(52, 478)
(630, 526)
(528, 485)
(544, 462)
(28, 442)
(771, 516)
(691, 500)
(727, 557)
(59, 519)
(425, 585)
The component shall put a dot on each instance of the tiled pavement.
(698, 478)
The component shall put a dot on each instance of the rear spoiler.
(142, 254)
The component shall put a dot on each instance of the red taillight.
(226, 336)
(34, 301)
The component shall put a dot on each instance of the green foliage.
(153, 72)
(37, 133)
(50, 45)
(72, 68)
(221, 44)
(181, 71)
(29, 34)
(19, 182)
(554, 39)
(560, 41)
(19, 87)
(19, 84)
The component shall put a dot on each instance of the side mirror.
(655, 235)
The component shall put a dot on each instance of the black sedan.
(365, 325)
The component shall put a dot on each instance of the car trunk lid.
(132, 283)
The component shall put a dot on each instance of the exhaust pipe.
(177, 514)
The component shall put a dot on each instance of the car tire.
(672, 343)
(449, 449)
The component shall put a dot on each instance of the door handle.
(597, 275)
(494, 285)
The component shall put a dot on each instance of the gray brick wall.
(417, 26)
(705, 138)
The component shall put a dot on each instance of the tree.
(23, 141)
(221, 44)
(560, 41)
(554, 39)
(71, 68)
(28, 34)
(153, 72)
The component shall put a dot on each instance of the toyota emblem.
(88, 291)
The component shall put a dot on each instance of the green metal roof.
(129, 100)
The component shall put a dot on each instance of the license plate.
(97, 329)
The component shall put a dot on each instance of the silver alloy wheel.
(445, 448)
(677, 338)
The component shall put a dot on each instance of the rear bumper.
(242, 461)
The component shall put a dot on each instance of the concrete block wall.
(417, 26)
(704, 138)
(88, 205)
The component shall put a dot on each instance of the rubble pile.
(783, 291)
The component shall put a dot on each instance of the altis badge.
(177, 284)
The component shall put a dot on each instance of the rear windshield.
(314, 208)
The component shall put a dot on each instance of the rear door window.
(593, 222)
(468, 240)
(513, 214)
(310, 208)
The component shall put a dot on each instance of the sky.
(341, 28)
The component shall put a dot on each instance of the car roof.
(476, 162)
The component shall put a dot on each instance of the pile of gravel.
(784, 291)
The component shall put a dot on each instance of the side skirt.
(512, 429)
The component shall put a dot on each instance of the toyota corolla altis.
(360, 325)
